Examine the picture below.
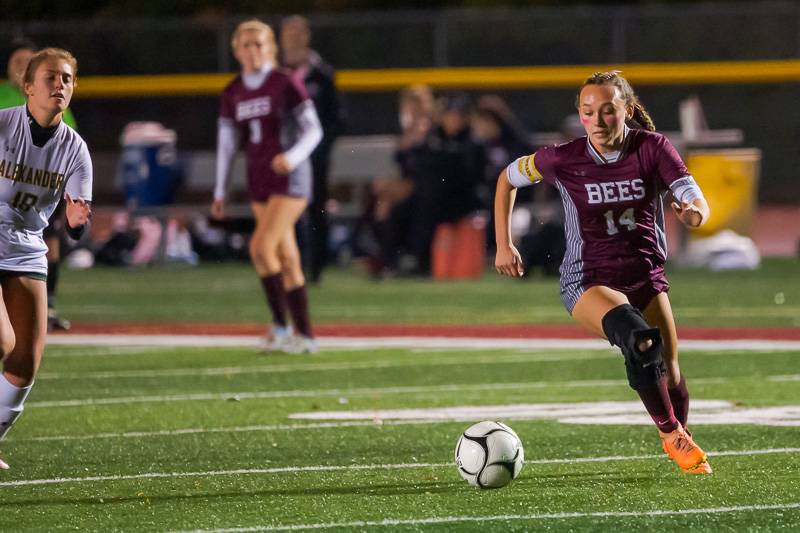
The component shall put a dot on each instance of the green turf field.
(231, 293)
(184, 439)
(143, 439)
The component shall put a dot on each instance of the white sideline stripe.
(339, 468)
(791, 377)
(503, 518)
(236, 396)
(525, 357)
(352, 343)
(703, 414)
(88, 350)
(299, 393)
(278, 470)
(235, 429)
(308, 367)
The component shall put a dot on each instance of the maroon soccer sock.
(276, 297)
(679, 396)
(657, 402)
(297, 299)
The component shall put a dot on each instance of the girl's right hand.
(508, 262)
(280, 164)
(218, 209)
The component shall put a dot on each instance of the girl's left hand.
(78, 211)
(280, 164)
(689, 214)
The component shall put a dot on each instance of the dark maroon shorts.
(298, 184)
(641, 297)
(639, 293)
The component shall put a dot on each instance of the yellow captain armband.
(527, 168)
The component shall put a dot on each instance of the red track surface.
(418, 330)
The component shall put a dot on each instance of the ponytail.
(641, 117)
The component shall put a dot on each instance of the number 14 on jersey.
(626, 220)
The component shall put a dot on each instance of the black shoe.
(56, 323)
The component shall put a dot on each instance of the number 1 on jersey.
(626, 219)
(255, 131)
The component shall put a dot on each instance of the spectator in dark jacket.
(449, 167)
(318, 77)
(504, 139)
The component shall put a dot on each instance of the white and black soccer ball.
(489, 455)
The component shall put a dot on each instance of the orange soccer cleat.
(680, 447)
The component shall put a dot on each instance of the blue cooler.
(149, 169)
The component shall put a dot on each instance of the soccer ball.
(489, 455)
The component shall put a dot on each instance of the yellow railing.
(732, 72)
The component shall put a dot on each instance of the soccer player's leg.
(7, 342)
(268, 268)
(287, 210)
(281, 255)
(659, 313)
(54, 320)
(53, 235)
(296, 297)
(25, 308)
(608, 312)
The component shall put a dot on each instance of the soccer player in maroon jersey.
(266, 112)
(612, 277)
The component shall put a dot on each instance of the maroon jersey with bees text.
(263, 116)
(613, 210)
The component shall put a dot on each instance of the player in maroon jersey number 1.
(612, 277)
(268, 113)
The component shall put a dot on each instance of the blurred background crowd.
(415, 139)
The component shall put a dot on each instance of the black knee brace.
(626, 328)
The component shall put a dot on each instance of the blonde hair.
(641, 118)
(49, 53)
(252, 25)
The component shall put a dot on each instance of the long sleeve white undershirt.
(227, 143)
(310, 133)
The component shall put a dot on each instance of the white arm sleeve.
(79, 184)
(686, 190)
(310, 134)
(227, 141)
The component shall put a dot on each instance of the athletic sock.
(679, 396)
(12, 399)
(297, 299)
(276, 298)
(657, 402)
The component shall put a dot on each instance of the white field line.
(624, 413)
(89, 350)
(301, 393)
(354, 365)
(354, 343)
(236, 396)
(342, 468)
(313, 367)
(791, 377)
(234, 429)
(503, 518)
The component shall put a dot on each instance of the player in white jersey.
(41, 161)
